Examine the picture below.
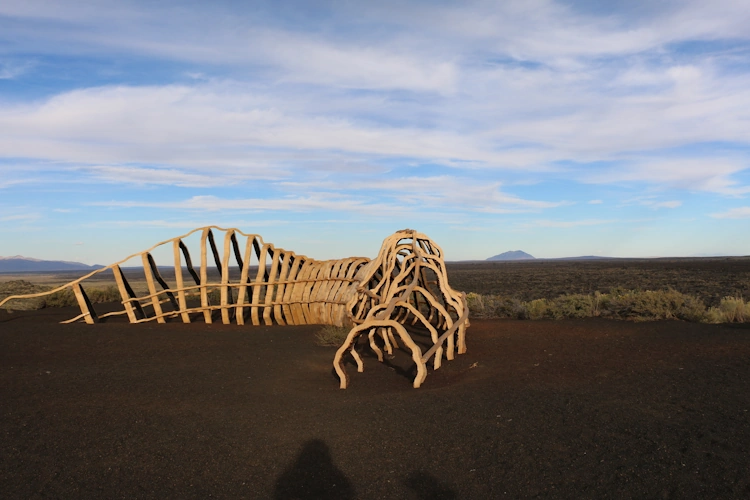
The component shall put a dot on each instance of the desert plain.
(588, 408)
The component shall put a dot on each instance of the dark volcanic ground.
(707, 278)
(569, 409)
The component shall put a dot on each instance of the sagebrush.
(633, 305)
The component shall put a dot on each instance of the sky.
(617, 128)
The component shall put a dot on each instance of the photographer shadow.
(313, 475)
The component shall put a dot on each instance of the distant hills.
(513, 255)
(21, 264)
(520, 255)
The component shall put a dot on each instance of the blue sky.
(558, 128)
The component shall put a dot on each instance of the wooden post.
(83, 302)
(125, 293)
(181, 299)
(152, 288)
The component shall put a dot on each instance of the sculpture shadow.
(427, 487)
(313, 475)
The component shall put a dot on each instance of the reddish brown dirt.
(570, 409)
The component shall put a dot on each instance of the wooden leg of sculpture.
(357, 358)
(449, 352)
(373, 345)
(464, 324)
(416, 354)
(462, 339)
(338, 364)
(393, 339)
(385, 333)
(405, 338)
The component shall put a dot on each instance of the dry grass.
(63, 298)
(633, 305)
(331, 336)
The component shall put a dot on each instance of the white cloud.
(171, 177)
(13, 69)
(733, 213)
(712, 174)
(441, 192)
(666, 204)
(482, 88)
(191, 224)
(19, 217)
(596, 202)
(568, 223)
(313, 202)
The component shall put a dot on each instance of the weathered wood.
(125, 292)
(179, 281)
(83, 302)
(147, 271)
(207, 312)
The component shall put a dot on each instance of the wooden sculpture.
(254, 281)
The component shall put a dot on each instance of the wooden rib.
(125, 293)
(295, 268)
(165, 287)
(152, 288)
(259, 279)
(226, 291)
(87, 310)
(321, 282)
(278, 311)
(271, 289)
(297, 291)
(242, 292)
(179, 282)
(207, 315)
(308, 308)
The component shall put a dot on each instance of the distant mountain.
(513, 255)
(21, 264)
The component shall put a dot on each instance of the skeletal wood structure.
(406, 285)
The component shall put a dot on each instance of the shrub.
(619, 303)
(495, 306)
(107, 294)
(475, 303)
(572, 306)
(538, 309)
(651, 305)
(61, 298)
(504, 307)
(331, 336)
(730, 310)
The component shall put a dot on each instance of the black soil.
(570, 409)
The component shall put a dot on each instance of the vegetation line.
(619, 303)
(633, 305)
